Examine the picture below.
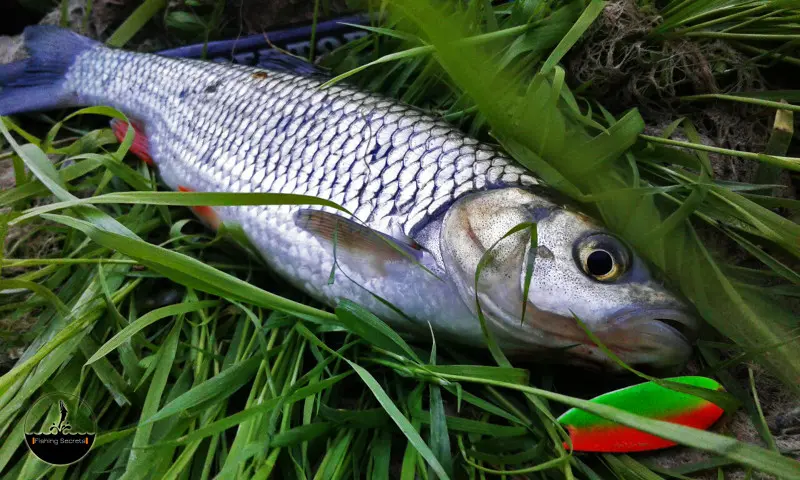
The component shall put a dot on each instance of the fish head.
(573, 268)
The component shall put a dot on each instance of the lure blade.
(590, 433)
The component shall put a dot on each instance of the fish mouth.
(679, 322)
(659, 337)
(655, 337)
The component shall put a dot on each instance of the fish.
(430, 206)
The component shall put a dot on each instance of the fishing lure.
(590, 433)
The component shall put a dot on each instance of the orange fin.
(140, 146)
(206, 214)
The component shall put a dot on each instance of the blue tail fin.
(37, 83)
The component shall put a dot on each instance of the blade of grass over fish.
(482, 263)
(184, 199)
(189, 271)
(529, 264)
(439, 434)
(554, 429)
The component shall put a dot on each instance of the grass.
(239, 376)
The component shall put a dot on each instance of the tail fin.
(37, 83)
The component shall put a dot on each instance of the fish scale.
(217, 127)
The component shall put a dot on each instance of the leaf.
(189, 271)
(125, 32)
(518, 376)
(138, 464)
(439, 435)
(402, 422)
(586, 19)
(184, 199)
(145, 321)
(301, 434)
(220, 386)
(366, 325)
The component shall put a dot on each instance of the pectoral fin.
(355, 240)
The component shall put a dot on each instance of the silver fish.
(441, 198)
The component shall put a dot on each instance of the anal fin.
(140, 146)
(205, 213)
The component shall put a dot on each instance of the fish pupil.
(599, 263)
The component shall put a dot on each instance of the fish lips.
(656, 336)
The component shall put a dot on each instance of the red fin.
(206, 214)
(139, 147)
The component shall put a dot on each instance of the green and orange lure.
(590, 433)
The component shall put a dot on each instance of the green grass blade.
(219, 386)
(402, 422)
(145, 321)
(586, 19)
(125, 32)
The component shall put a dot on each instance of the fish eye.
(602, 257)
(599, 263)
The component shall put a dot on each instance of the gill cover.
(478, 223)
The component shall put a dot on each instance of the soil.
(618, 60)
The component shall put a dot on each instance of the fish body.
(440, 198)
